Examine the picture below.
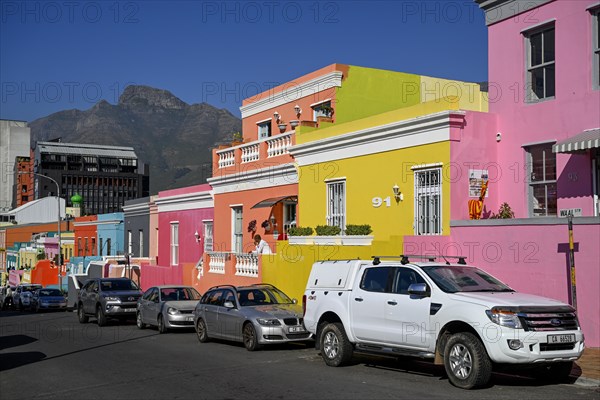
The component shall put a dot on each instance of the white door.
(367, 304)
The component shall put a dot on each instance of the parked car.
(48, 299)
(167, 307)
(106, 298)
(22, 295)
(6, 293)
(457, 315)
(255, 315)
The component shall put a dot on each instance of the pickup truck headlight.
(504, 317)
(268, 321)
(111, 298)
(172, 311)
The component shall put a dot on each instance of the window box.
(357, 240)
(301, 240)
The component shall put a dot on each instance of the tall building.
(14, 142)
(104, 176)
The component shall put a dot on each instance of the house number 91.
(378, 201)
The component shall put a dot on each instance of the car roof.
(173, 287)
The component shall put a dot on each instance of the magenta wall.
(531, 259)
(574, 108)
(473, 147)
(153, 275)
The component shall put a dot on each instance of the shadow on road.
(14, 360)
(15, 340)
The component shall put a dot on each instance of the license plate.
(129, 310)
(297, 329)
(189, 319)
(567, 338)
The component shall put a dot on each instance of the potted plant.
(504, 212)
(357, 235)
(327, 110)
(300, 235)
(237, 138)
(294, 123)
(282, 126)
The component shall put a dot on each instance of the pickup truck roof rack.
(404, 258)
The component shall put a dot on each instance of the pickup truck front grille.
(548, 321)
(556, 346)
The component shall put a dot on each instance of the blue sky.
(57, 55)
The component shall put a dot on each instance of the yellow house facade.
(379, 171)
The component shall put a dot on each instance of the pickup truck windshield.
(452, 279)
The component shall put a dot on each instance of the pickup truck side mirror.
(419, 289)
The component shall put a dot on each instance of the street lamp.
(58, 218)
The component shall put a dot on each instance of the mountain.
(172, 136)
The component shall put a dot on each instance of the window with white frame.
(208, 236)
(322, 110)
(129, 242)
(428, 201)
(174, 243)
(596, 47)
(141, 252)
(264, 129)
(336, 203)
(541, 165)
(289, 215)
(540, 63)
(237, 229)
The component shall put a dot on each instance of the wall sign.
(476, 178)
(573, 212)
(378, 201)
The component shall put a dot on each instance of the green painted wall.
(368, 91)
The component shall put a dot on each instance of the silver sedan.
(167, 307)
(254, 315)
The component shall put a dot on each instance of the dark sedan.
(48, 299)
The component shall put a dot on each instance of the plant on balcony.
(237, 138)
(265, 224)
(252, 226)
(328, 230)
(504, 212)
(300, 231)
(354, 230)
(327, 110)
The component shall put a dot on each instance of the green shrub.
(352, 230)
(299, 231)
(327, 230)
(504, 212)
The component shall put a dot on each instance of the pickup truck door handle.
(392, 302)
(358, 298)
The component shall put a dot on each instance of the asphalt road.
(51, 355)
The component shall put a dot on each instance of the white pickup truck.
(455, 314)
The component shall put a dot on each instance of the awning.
(271, 202)
(589, 139)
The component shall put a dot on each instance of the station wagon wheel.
(201, 331)
(161, 325)
(336, 349)
(466, 361)
(83, 319)
(250, 339)
(138, 321)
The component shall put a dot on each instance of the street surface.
(52, 355)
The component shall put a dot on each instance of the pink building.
(185, 218)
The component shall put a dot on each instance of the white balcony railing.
(279, 145)
(250, 152)
(216, 261)
(246, 265)
(226, 158)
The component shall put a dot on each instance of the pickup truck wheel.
(83, 319)
(466, 361)
(100, 316)
(138, 321)
(201, 331)
(554, 372)
(336, 349)
(250, 338)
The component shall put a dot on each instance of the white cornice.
(277, 175)
(136, 209)
(96, 223)
(292, 92)
(187, 201)
(418, 131)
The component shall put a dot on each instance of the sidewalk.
(587, 368)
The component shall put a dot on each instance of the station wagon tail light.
(268, 321)
(504, 316)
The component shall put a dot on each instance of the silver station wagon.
(255, 315)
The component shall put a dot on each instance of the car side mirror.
(228, 304)
(419, 289)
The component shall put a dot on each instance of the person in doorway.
(262, 247)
